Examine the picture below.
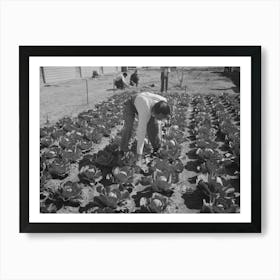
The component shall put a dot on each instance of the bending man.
(134, 78)
(120, 82)
(151, 109)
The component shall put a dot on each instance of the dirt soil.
(70, 98)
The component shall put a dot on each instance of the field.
(196, 170)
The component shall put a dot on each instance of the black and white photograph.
(168, 138)
(128, 139)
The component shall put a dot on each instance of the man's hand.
(139, 161)
(138, 164)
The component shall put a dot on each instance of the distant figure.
(164, 78)
(94, 74)
(120, 82)
(134, 78)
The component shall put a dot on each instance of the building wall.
(53, 74)
(111, 69)
(58, 74)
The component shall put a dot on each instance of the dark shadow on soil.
(87, 207)
(192, 145)
(105, 182)
(192, 165)
(192, 180)
(224, 148)
(59, 203)
(191, 138)
(192, 154)
(230, 169)
(220, 137)
(194, 199)
(142, 210)
(235, 183)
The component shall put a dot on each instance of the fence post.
(87, 89)
(43, 74)
(79, 71)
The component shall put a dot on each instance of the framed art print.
(171, 142)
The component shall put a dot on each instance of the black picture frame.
(25, 52)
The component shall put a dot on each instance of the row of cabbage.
(68, 147)
(215, 130)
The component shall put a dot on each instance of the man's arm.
(124, 82)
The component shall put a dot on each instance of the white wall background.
(139, 256)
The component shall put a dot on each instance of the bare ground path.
(186, 177)
(70, 98)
